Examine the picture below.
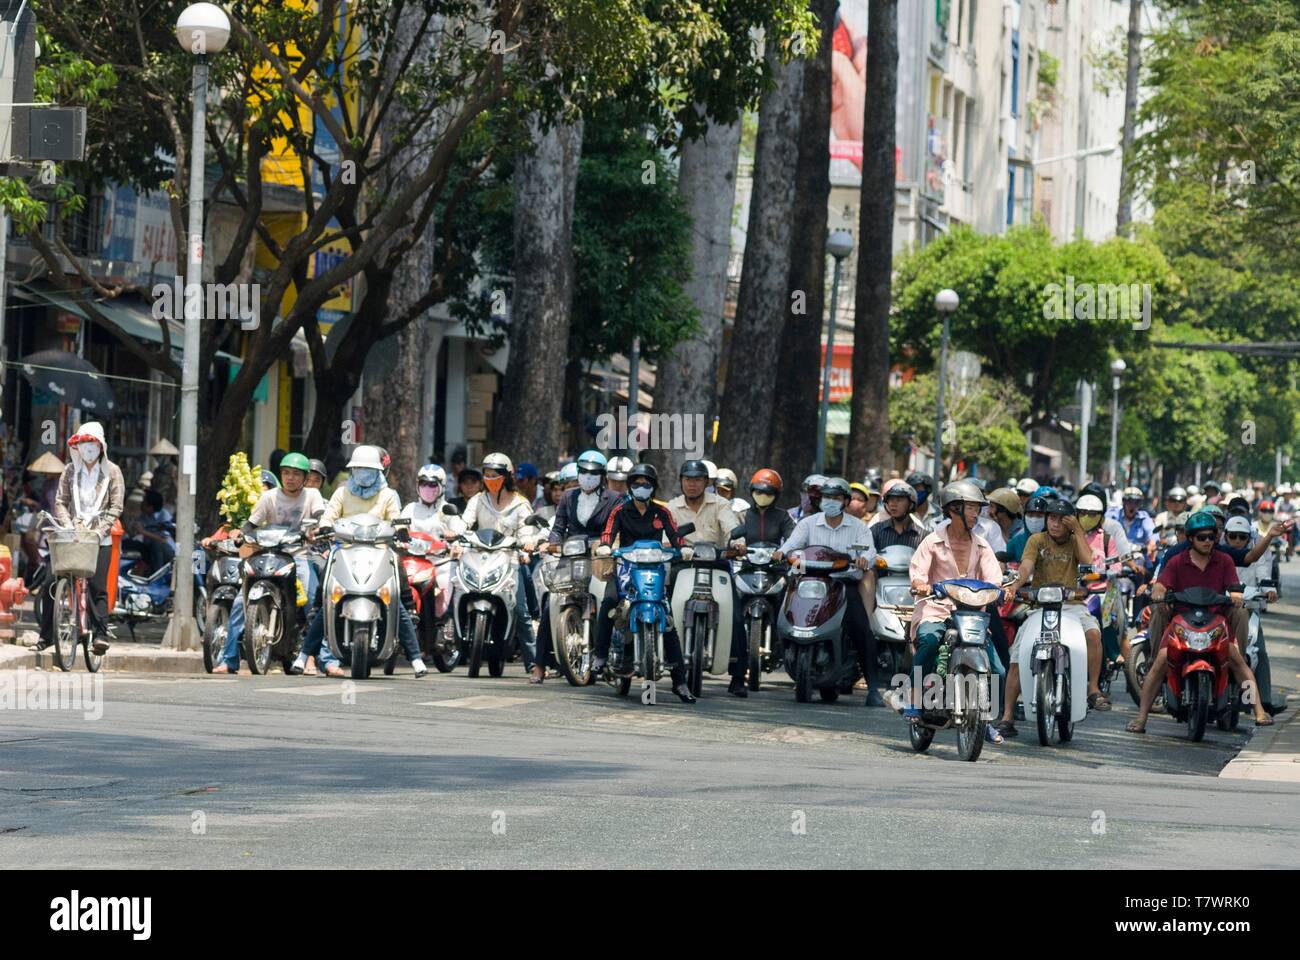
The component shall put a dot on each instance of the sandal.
(1264, 721)
(1098, 701)
(536, 675)
(1134, 727)
(310, 669)
(1007, 728)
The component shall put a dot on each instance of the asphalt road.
(451, 772)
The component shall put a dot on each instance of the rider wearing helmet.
(1004, 510)
(1035, 521)
(764, 522)
(1201, 565)
(898, 526)
(569, 477)
(871, 484)
(1025, 489)
(844, 533)
(316, 474)
(639, 516)
(1175, 504)
(984, 526)
(951, 552)
(926, 511)
(365, 492)
(810, 493)
(499, 507)
(425, 511)
(616, 475)
(725, 483)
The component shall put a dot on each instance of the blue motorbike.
(145, 595)
(640, 620)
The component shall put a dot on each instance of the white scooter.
(1053, 661)
(702, 605)
(892, 617)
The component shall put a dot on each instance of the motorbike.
(1140, 656)
(426, 561)
(484, 603)
(967, 692)
(1054, 666)
(570, 581)
(275, 602)
(761, 587)
(1197, 644)
(812, 624)
(361, 592)
(640, 620)
(702, 609)
(892, 619)
(223, 582)
(145, 595)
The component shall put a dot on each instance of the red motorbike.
(1197, 643)
(426, 561)
(1014, 610)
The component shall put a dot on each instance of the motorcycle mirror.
(686, 529)
(1002, 556)
(402, 522)
(450, 510)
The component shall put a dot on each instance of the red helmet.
(1266, 506)
(766, 480)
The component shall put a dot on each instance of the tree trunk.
(1132, 79)
(793, 446)
(686, 381)
(530, 422)
(869, 439)
(763, 305)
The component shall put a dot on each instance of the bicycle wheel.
(65, 622)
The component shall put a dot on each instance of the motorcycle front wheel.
(1135, 671)
(803, 675)
(444, 651)
(650, 648)
(1045, 687)
(214, 637)
(696, 661)
(920, 737)
(1198, 705)
(257, 635)
(478, 637)
(970, 734)
(756, 653)
(360, 653)
(571, 648)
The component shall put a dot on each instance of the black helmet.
(919, 480)
(690, 468)
(1060, 507)
(903, 489)
(1239, 506)
(1067, 491)
(981, 483)
(1094, 488)
(644, 471)
(835, 487)
(318, 466)
(1036, 505)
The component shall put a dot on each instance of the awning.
(131, 314)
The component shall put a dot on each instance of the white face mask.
(832, 507)
(589, 482)
(89, 452)
(1035, 524)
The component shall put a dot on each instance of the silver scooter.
(362, 592)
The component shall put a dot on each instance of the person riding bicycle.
(90, 497)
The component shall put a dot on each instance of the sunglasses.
(591, 471)
(1204, 537)
(492, 474)
(429, 483)
(642, 486)
(1238, 536)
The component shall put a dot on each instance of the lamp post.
(1117, 368)
(945, 301)
(201, 29)
(839, 245)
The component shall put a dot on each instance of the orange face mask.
(494, 484)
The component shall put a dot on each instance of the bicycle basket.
(76, 556)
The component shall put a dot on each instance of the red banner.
(841, 372)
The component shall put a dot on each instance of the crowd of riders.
(1194, 535)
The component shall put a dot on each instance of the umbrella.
(73, 380)
(46, 463)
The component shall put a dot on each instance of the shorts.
(1077, 611)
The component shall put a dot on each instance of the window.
(970, 23)
(1015, 73)
(1011, 194)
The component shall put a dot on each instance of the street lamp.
(201, 29)
(1117, 368)
(839, 245)
(945, 301)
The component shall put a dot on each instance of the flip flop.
(1133, 727)
(310, 669)
(1264, 721)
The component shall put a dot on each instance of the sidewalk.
(1272, 754)
(137, 657)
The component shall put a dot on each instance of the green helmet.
(1214, 510)
(1200, 520)
(296, 461)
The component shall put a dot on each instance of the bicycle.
(73, 557)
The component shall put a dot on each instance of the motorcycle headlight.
(469, 578)
(706, 551)
(492, 577)
(1198, 639)
(649, 555)
(1050, 595)
(811, 589)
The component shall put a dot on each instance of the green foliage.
(986, 421)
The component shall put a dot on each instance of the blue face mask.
(1035, 524)
(365, 482)
(922, 496)
(643, 493)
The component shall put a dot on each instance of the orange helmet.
(766, 480)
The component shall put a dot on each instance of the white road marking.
(327, 690)
(476, 703)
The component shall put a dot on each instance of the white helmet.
(1193, 490)
(432, 473)
(1227, 487)
(1285, 488)
(366, 456)
(1237, 525)
(617, 468)
(712, 467)
(499, 462)
(726, 476)
(1089, 503)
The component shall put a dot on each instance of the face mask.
(430, 492)
(832, 507)
(589, 481)
(764, 499)
(494, 484)
(922, 496)
(643, 493)
(89, 452)
(1035, 524)
(1089, 521)
(364, 482)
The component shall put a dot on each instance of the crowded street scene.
(823, 434)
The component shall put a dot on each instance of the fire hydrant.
(12, 592)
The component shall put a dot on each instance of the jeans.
(523, 622)
(739, 662)
(929, 637)
(315, 646)
(235, 626)
(617, 586)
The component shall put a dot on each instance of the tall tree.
(869, 431)
(686, 382)
(1132, 78)
(763, 304)
(529, 423)
(792, 446)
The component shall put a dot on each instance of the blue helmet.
(592, 459)
(1047, 493)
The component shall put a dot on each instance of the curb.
(116, 660)
(1259, 761)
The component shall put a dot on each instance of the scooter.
(702, 610)
(223, 582)
(146, 595)
(484, 604)
(274, 601)
(1140, 656)
(1054, 653)
(812, 624)
(361, 592)
(640, 620)
(1197, 645)
(761, 586)
(570, 582)
(426, 561)
(892, 619)
(966, 694)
